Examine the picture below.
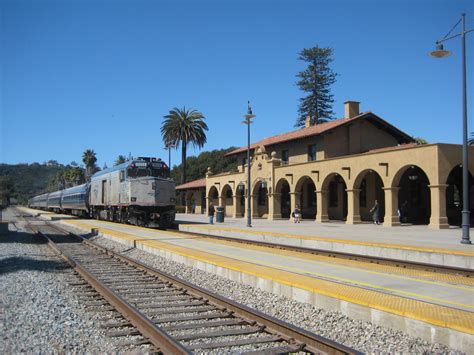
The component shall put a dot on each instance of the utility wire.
(451, 30)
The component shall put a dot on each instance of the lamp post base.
(465, 227)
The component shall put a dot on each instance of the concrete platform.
(409, 243)
(437, 308)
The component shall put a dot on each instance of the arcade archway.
(371, 186)
(306, 197)
(414, 198)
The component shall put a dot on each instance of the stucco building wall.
(436, 161)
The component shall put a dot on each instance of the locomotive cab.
(138, 192)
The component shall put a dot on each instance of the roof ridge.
(322, 127)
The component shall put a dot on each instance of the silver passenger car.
(54, 200)
(40, 201)
(75, 200)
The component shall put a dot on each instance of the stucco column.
(353, 213)
(236, 212)
(209, 200)
(199, 206)
(221, 200)
(254, 204)
(322, 206)
(438, 219)
(274, 206)
(391, 207)
(294, 196)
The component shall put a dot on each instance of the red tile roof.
(317, 130)
(192, 184)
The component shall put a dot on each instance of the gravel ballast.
(40, 312)
(363, 336)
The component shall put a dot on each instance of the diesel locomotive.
(138, 191)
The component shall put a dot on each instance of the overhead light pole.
(168, 147)
(441, 53)
(248, 121)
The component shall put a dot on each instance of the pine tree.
(316, 80)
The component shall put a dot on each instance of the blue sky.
(102, 74)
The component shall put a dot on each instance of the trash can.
(220, 214)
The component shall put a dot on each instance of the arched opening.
(283, 196)
(414, 198)
(337, 197)
(454, 195)
(306, 197)
(240, 200)
(371, 186)
(213, 196)
(228, 201)
(191, 202)
(260, 204)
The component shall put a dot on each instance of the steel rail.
(145, 326)
(415, 265)
(312, 342)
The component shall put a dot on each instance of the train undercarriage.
(145, 216)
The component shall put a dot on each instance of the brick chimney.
(351, 109)
(307, 122)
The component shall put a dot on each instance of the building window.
(363, 194)
(312, 152)
(285, 156)
(333, 194)
(244, 162)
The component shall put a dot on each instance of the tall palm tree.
(89, 159)
(184, 127)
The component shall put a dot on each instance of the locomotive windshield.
(142, 169)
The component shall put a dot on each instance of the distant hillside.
(29, 179)
(33, 179)
(196, 167)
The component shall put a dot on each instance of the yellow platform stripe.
(455, 319)
(422, 276)
(332, 240)
(447, 278)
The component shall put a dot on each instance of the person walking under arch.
(211, 212)
(375, 212)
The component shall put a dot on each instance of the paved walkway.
(420, 236)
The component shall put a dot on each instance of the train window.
(155, 169)
(122, 175)
(159, 169)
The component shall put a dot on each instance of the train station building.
(336, 171)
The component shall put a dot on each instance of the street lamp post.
(168, 147)
(441, 53)
(248, 120)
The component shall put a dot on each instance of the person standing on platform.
(211, 212)
(297, 214)
(375, 212)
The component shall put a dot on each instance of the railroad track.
(414, 265)
(174, 315)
